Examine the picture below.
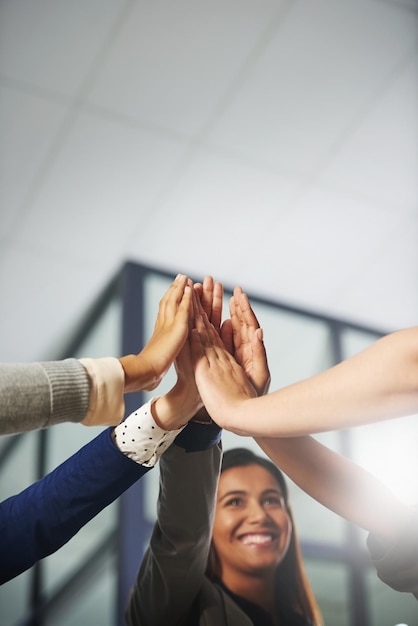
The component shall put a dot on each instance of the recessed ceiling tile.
(380, 159)
(173, 61)
(102, 181)
(408, 4)
(313, 80)
(28, 125)
(215, 219)
(383, 292)
(53, 43)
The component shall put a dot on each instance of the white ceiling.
(270, 143)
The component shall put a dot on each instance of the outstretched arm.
(43, 517)
(331, 479)
(338, 483)
(358, 496)
(37, 395)
(380, 382)
(47, 514)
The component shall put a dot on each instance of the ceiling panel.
(313, 79)
(272, 144)
(211, 218)
(28, 127)
(99, 187)
(54, 43)
(172, 61)
(384, 291)
(383, 166)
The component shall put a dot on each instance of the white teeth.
(259, 539)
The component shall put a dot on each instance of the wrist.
(137, 376)
(202, 416)
(175, 408)
(140, 438)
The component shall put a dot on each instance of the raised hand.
(183, 401)
(211, 300)
(247, 339)
(209, 303)
(221, 381)
(145, 370)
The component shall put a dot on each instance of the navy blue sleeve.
(197, 437)
(47, 514)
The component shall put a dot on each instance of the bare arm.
(338, 483)
(379, 383)
(333, 480)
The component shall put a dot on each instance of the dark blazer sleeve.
(47, 514)
(173, 569)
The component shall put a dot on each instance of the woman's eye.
(271, 500)
(234, 502)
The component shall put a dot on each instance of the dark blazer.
(43, 517)
(171, 580)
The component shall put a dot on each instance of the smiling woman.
(255, 556)
(249, 572)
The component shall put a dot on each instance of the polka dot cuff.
(139, 437)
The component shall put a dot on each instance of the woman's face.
(252, 527)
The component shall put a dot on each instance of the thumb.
(260, 372)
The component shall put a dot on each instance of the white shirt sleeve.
(139, 437)
(107, 380)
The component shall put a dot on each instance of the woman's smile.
(258, 539)
(252, 527)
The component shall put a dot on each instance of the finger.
(238, 335)
(202, 327)
(197, 304)
(207, 295)
(217, 304)
(226, 333)
(183, 309)
(199, 288)
(169, 302)
(197, 350)
(205, 341)
(247, 312)
(246, 316)
(237, 295)
(187, 302)
(214, 336)
(209, 336)
(261, 372)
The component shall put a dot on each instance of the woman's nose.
(256, 511)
